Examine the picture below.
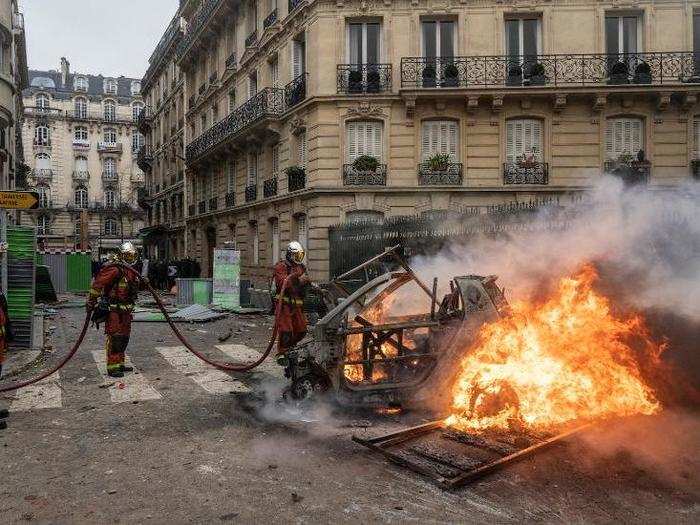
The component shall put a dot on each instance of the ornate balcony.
(251, 39)
(354, 177)
(267, 104)
(191, 210)
(144, 120)
(429, 175)
(296, 181)
(42, 175)
(364, 78)
(270, 20)
(630, 171)
(202, 89)
(295, 91)
(230, 199)
(213, 78)
(270, 187)
(109, 147)
(561, 70)
(81, 145)
(293, 4)
(251, 192)
(526, 173)
(231, 61)
(110, 176)
(81, 176)
(201, 207)
(42, 113)
(144, 160)
(214, 204)
(207, 9)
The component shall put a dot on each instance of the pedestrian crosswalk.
(143, 384)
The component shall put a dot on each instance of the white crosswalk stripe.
(210, 379)
(44, 394)
(132, 387)
(245, 354)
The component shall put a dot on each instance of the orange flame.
(549, 364)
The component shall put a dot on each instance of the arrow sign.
(19, 200)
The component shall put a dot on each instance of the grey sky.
(96, 36)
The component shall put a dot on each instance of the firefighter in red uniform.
(292, 321)
(116, 287)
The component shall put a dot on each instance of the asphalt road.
(181, 443)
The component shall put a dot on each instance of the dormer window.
(136, 87)
(110, 86)
(81, 84)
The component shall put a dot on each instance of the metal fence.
(69, 271)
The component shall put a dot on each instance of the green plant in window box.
(439, 162)
(366, 163)
(295, 171)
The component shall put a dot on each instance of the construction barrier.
(21, 255)
(70, 271)
(194, 291)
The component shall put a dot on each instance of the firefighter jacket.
(296, 288)
(120, 285)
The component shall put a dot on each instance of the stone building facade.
(162, 157)
(301, 114)
(81, 142)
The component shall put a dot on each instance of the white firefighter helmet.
(127, 253)
(295, 252)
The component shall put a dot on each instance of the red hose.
(230, 367)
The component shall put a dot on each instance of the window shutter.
(510, 141)
(302, 149)
(302, 232)
(377, 140)
(425, 141)
(352, 141)
(275, 159)
(636, 142)
(296, 58)
(453, 140)
(252, 170)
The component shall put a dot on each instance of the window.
(42, 101)
(110, 166)
(110, 198)
(137, 141)
(622, 34)
(81, 84)
(81, 197)
(623, 136)
(81, 164)
(44, 195)
(110, 86)
(231, 176)
(252, 179)
(252, 85)
(110, 110)
(523, 38)
(523, 140)
(274, 73)
(231, 100)
(364, 43)
(110, 226)
(440, 136)
(43, 162)
(256, 242)
(364, 138)
(275, 159)
(301, 149)
(298, 57)
(275, 241)
(43, 225)
(136, 109)
(302, 232)
(204, 122)
(135, 87)
(81, 108)
(42, 136)
(438, 39)
(214, 114)
(80, 134)
(110, 136)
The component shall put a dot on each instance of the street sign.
(19, 200)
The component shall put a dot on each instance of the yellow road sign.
(19, 200)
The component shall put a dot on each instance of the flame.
(567, 358)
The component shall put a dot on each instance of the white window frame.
(620, 31)
(44, 192)
(109, 165)
(629, 141)
(135, 87)
(137, 141)
(363, 59)
(42, 161)
(438, 29)
(109, 108)
(530, 129)
(440, 136)
(43, 101)
(521, 35)
(136, 109)
(81, 197)
(110, 198)
(80, 107)
(110, 86)
(81, 83)
(43, 225)
(80, 134)
(42, 135)
(364, 137)
(81, 161)
(298, 59)
(113, 228)
(110, 136)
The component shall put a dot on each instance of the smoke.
(645, 242)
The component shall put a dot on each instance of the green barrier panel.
(200, 293)
(79, 269)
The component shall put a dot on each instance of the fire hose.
(229, 367)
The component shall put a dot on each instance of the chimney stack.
(65, 70)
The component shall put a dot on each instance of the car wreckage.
(391, 342)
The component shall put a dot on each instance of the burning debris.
(566, 359)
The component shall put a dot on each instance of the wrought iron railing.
(202, 89)
(191, 210)
(171, 34)
(355, 177)
(230, 199)
(213, 203)
(550, 70)
(364, 78)
(191, 101)
(449, 175)
(100, 115)
(143, 121)
(268, 103)
(296, 180)
(201, 207)
(110, 176)
(251, 39)
(251, 192)
(270, 19)
(631, 172)
(293, 4)
(231, 61)
(213, 77)
(43, 112)
(144, 158)
(295, 91)
(526, 173)
(109, 147)
(199, 21)
(81, 176)
(42, 175)
(270, 187)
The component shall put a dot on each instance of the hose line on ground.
(229, 367)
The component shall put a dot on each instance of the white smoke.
(651, 236)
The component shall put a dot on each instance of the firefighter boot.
(115, 373)
(127, 368)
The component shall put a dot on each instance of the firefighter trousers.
(118, 330)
